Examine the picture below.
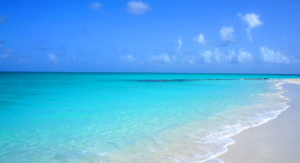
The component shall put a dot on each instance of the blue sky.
(150, 36)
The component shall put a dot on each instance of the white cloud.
(252, 20)
(221, 57)
(206, 56)
(138, 7)
(95, 5)
(269, 55)
(200, 39)
(128, 58)
(191, 60)
(217, 54)
(163, 57)
(52, 57)
(248, 34)
(179, 43)
(227, 34)
(231, 55)
(244, 56)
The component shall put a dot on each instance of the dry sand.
(277, 141)
(294, 81)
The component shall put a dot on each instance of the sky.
(170, 36)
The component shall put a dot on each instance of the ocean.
(130, 117)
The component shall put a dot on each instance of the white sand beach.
(276, 141)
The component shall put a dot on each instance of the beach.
(274, 141)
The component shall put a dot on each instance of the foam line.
(253, 125)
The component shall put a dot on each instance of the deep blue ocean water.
(120, 117)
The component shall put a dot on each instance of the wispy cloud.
(269, 55)
(231, 55)
(252, 20)
(165, 58)
(216, 56)
(191, 59)
(138, 7)
(179, 43)
(2, 19)
(227, 34)
(200, 39)
(25, 59)
(52, 58)
(207, 56)
(95, 5)
(128, 58)
(244, 56)
(221, 57)
(119, 50)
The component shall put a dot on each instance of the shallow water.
(110, 117)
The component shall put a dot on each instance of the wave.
(184, 144)
(256, 121)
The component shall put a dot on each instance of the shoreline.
(293, 81)
(243, 150)
(214, 158)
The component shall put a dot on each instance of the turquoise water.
(111, 117)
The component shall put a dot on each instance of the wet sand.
(276, 141)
